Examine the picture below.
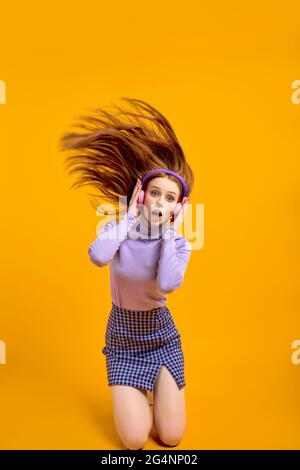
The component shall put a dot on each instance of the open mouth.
(156, 213)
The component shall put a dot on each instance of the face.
(161, 194)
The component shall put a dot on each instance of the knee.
(134, 440)
(171, 438)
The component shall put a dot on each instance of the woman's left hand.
(178, 214)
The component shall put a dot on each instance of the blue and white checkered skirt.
(138, 343)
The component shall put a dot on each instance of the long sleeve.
(174, 257)
(109, 239)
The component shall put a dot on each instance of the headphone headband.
(170, 172)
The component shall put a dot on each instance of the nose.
(160, 201)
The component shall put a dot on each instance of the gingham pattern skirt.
(138, 343)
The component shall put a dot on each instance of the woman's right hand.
(132, 208)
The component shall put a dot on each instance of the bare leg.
(132, 415)
(169, 408)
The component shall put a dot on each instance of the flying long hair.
(117, 148)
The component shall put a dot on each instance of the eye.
(171, 198)
(154, 192)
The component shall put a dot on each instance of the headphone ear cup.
(141, 197)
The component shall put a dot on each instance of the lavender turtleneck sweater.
(143, 267)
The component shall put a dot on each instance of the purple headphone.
(170, 172)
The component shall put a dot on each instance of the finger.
(134, 193)
(137, 192)
(178, 209)
(137, 185)
(180, 214)
(183, 208)
(136, 188)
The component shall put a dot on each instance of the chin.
(157, 222)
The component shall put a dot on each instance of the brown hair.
(113, 153)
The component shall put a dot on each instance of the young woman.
(137, 155)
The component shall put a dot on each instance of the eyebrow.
(159, 188)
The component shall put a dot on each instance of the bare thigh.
(169, 408)
(132, 415)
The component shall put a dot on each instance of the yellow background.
(222, 74)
